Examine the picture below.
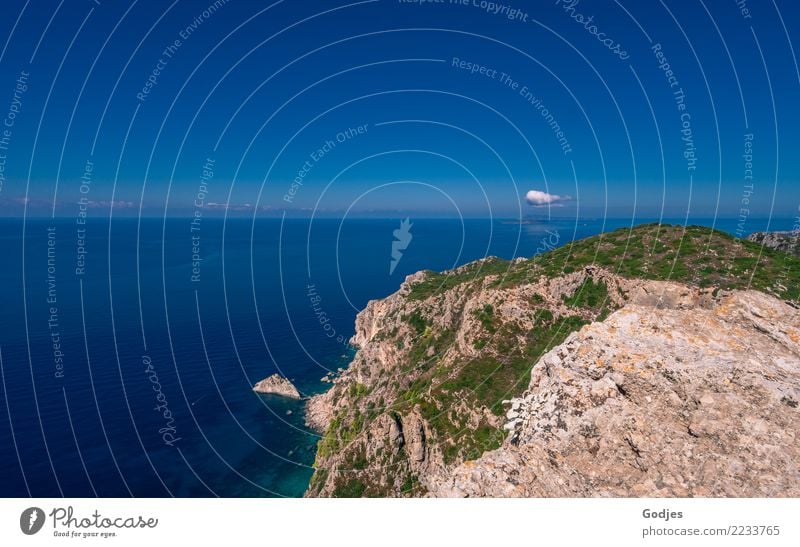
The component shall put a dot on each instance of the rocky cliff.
(788, 242)
(633, 363)
(699, 400)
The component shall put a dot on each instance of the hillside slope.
(438, 360)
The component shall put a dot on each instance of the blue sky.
(387, 107)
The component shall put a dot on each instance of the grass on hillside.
(694, 255)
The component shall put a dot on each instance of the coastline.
(358, 432)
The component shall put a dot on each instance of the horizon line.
(185, 216)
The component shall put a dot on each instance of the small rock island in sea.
(277, 385)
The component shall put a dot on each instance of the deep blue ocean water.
(133, 378)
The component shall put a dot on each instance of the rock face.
(672, 402)
(633, 364)
(277, 385)
(787, 242)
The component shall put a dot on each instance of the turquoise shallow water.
(137, 337)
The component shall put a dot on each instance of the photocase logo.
(402, 239)
(31, 520)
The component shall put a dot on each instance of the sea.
(129, 346)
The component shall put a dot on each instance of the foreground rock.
(669, 402)
(277, 385)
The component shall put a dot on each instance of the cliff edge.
(657, 360)
(687, 402)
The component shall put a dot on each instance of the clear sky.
(397, 107)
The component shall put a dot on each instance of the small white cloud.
(537, 198)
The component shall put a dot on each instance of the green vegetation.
(410, 484)
(481, 382)
(353, 488)
(591, 296)
(692, 255)
(486, 316)
(318, 479)
(544, 315)
(417, 322)
(358, 478)
(438, 283)
(341, 432)
(491, 379)
(418, 358)
(357, 459)
(357, 390)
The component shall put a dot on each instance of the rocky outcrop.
(787, 242)
(687, 401)
(632, 364)
(277, 385)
